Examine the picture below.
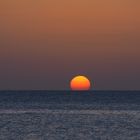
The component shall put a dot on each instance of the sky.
(45, 43)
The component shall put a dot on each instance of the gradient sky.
(44, 43)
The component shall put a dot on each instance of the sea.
(69, 115)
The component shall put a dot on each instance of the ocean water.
(67, 115)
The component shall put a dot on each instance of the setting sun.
(80, 83)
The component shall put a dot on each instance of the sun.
(80, 83)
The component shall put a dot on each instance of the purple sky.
(43, 44)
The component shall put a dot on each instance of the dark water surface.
(66, 115)
(70, 100)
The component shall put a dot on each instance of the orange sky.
(43, 44)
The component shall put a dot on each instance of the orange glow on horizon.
(80, 83)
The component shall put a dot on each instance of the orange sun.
(80, 83)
